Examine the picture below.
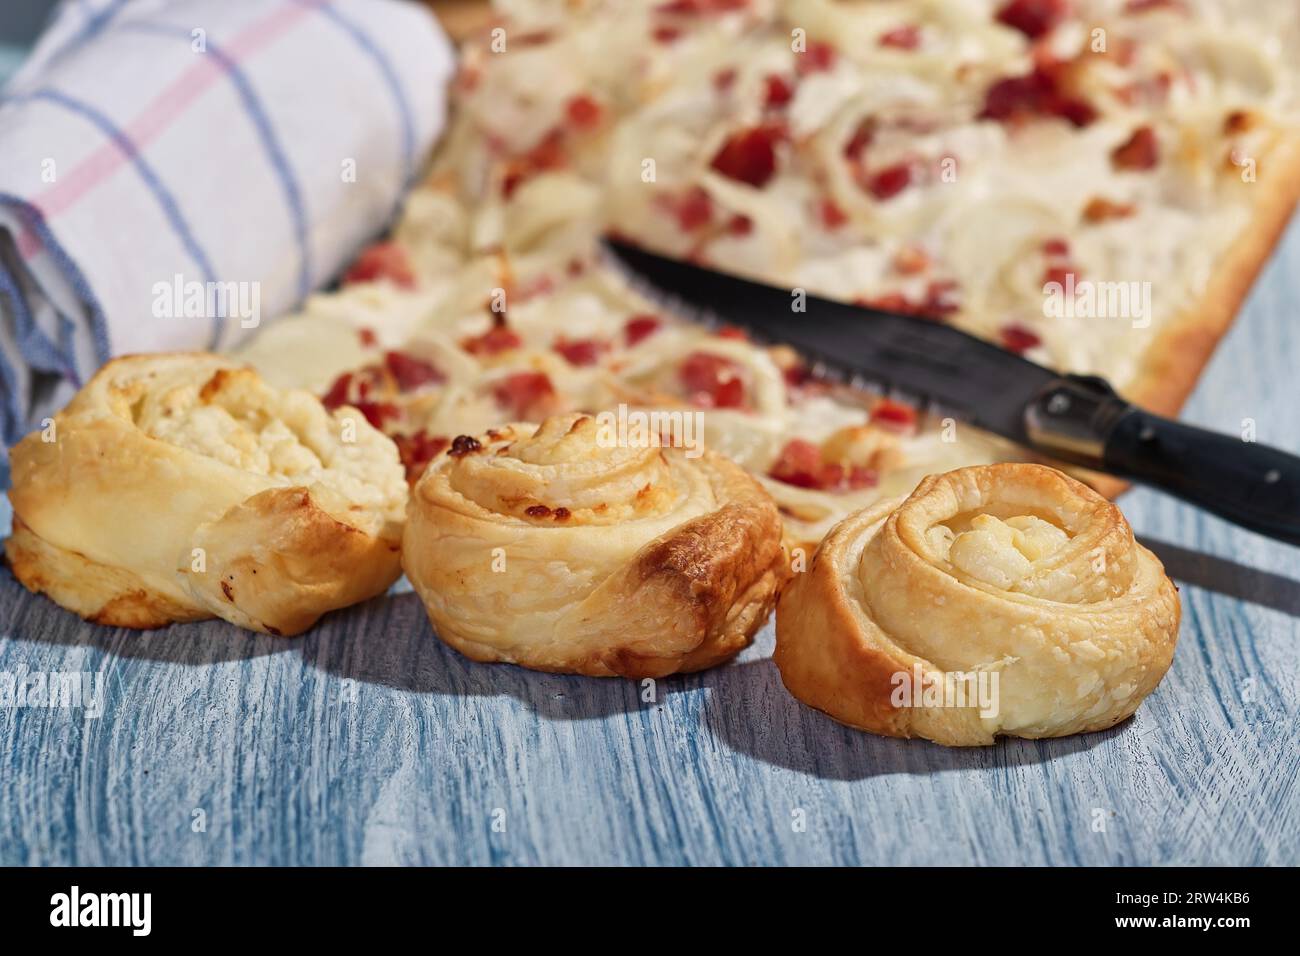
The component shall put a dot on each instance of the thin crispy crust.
(1171, 366)
(1173, 363)
(641, 597)
(1077, 646)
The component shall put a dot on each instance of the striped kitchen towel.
(171, 171)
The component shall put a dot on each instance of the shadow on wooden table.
(389, 641)
(746, 708)
(35, 617)
(1226, 577)
(752, 713)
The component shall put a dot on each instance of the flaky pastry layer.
(1010, 578)
(552, 547)
(181, 487)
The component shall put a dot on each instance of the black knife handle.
(1080, 419)
(1251, 485)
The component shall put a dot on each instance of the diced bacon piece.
(906, 37)
(1140, 151)
(500, 338)
(547, 155)
(725, 79)
(417, 450)
(860, 140)
(337, 393)
(1100, 209)
(641, 327)
(749, 156)
(666, 35)
(778, 92)
(354, 388)
(940, 299)
(692, 210)
(740, 225)
(733, 332)
(895, 416)
(891, 302)
(368, 338)
(377, 413)
(533, 38)
(890, 181)
(1036, 94)
(832, 216)
(583, 112)
(860, 476)
(796, 375)
(1055, 248)
(383, 260)
(525, 396)
(712, 381)
(1016, 338)
(1145, 6)
(688, 8)
(410, 372)
(799, 464)
(580, 351)
(1062, 275)
(818, 57)
(1033, 18)
(1238, 121)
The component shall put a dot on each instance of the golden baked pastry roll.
(1004, 599)
(561, 547)
(181, 487)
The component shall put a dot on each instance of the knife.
(1073, 418)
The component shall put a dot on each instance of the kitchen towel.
(175, 172)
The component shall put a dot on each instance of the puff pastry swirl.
(555, 548)
(1009, 577)
(181, 487)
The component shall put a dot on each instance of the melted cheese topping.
(235, 418)
(661, 89)
(997, 552)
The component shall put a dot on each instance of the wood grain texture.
(368, 742)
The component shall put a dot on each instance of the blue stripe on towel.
(34, 345)
(164, 197)
(257, 115)
(13, 418)
(32, 218)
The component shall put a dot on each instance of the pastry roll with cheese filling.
(562, 548)
(181, 487)
(1004, 599)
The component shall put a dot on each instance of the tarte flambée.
(1092, 183)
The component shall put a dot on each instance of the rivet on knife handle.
(1072, 417)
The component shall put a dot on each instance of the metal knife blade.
(1072, 418)
(961, 374)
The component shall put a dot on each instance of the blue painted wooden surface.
(367, 741)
